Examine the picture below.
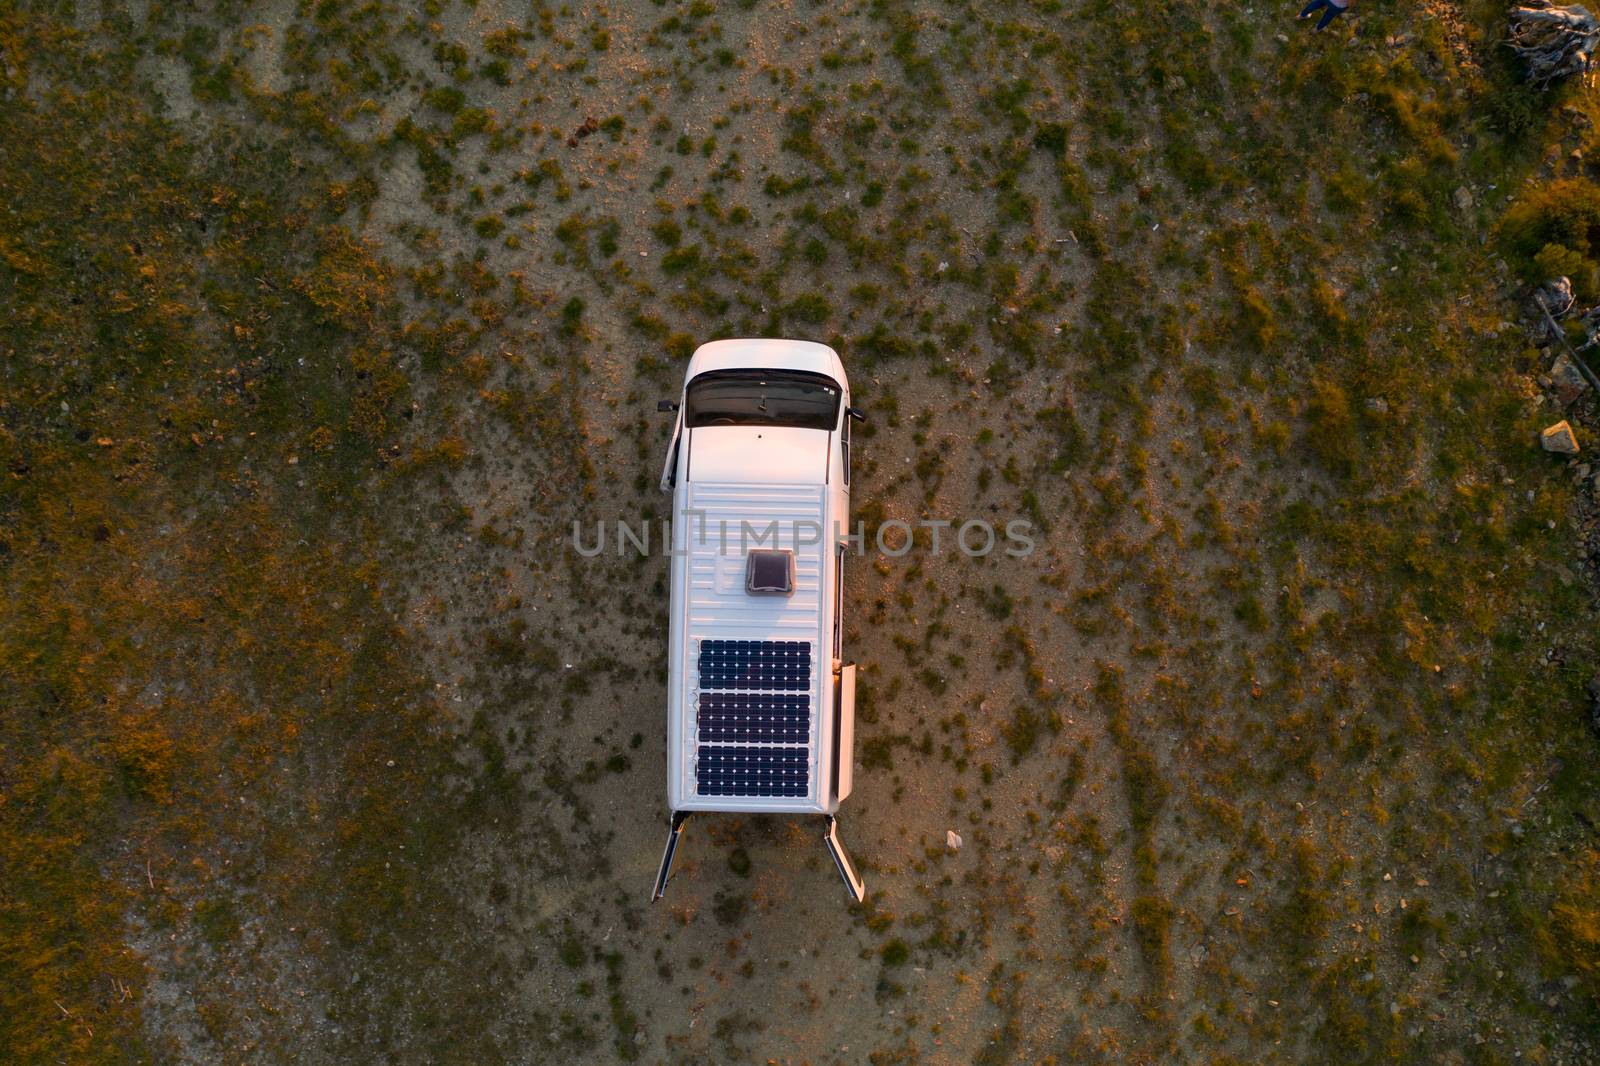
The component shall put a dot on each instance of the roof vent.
(769, 573)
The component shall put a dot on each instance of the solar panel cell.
(743, 770)
(766, 665)
(772, 717)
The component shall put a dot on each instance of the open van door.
(669, 470)
(845, 731)
(844, 739)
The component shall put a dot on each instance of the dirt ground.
(326, 322)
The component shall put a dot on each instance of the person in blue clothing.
(1335, 8)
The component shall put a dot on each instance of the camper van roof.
(750, 713)
(754, 659)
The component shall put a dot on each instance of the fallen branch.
(1561, 336)
(1555, 41)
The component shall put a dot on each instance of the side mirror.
(856, 413)
(666, 405)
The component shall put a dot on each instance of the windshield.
(763, 398)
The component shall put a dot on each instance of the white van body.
(760, 705)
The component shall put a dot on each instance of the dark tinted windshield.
(763, 398)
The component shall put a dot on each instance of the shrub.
(1330, 429)
(1022, 732)
(1557, 260)
(680, 345)
(729, 907)
(1345, 189)
(1052, 137)
(610, 231)
(810, 307)
(448, 99)
(1305, 914)
(1258, 326)
(217, 920)
(1571, 941)
(1558, 223)
(144, 759)
(686, 257)
(668, 232)
(1152, 925)
(571, 316)
(1517, 110)
(347, 283)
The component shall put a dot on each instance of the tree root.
(1554, 41)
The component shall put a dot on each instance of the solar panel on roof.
(753, 693)
(744, 770)
(777, 717)
(755, 664)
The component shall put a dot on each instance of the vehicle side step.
(841, 861)
(678, 818)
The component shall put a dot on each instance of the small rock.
(1560, 439)
(952, 840)
(1566, 380)
(1463, 198)
(1377, 405)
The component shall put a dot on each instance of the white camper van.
(760, 704)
